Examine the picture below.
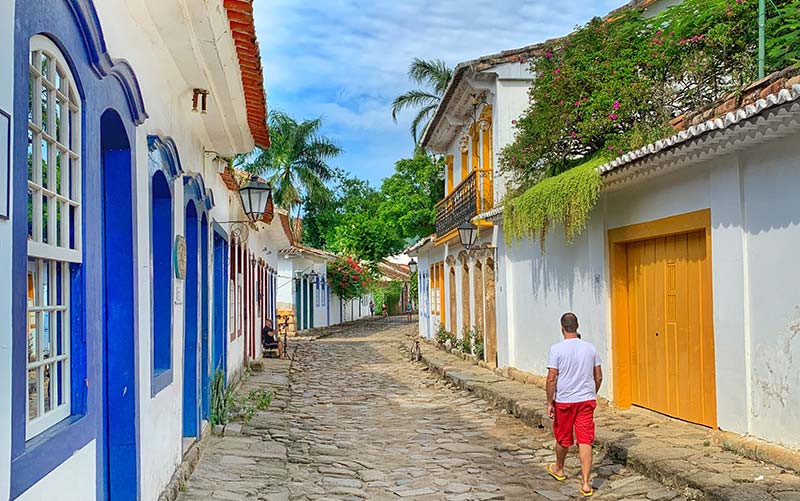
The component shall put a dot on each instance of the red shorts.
(578, 416)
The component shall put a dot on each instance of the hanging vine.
(566, 200)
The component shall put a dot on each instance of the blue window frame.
(164, 168)
(73, 27)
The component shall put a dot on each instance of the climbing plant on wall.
(614, 85)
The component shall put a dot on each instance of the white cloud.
(347, 59)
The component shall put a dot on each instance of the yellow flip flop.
(588, 494)
(560, 478)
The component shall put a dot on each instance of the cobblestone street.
(363, 422)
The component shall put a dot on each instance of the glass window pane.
(44, 93)
(60, 329)
(32, 345)
(60, 385)
(46, 317)
(57, 118)
(31, 92)
(59, 79)
(45, 68)
(73, 132)
(71, 226)
(73, 179)
(45, 160)
(58, 225)
(45, 222)
(60, 267)
(30, 214)
(33, 394)
(47, 389)
(30, 155)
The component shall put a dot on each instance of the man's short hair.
(569, 321)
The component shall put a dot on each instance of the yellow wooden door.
(670, 325)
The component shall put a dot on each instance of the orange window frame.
(449, 162)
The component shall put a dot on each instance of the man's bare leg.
(561, 456)
(585, 451)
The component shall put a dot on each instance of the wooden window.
(54, 232)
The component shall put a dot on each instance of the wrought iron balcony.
(471, 197)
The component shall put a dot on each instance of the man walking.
(574, 377)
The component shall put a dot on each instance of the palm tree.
(295, 164)
(434, 74)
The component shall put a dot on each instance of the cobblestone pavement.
(250, 461)
(366, 423)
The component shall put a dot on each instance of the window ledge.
(161, 379)
(48, 450)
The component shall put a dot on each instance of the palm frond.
(412, 99)
(431, 72)
(424, 115)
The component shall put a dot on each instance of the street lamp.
(468, 234)
(412, 266)
(255, 195)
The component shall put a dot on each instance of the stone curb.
(527, 402)
(758, 450)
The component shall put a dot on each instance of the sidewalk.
(678, 454)
(250, 461)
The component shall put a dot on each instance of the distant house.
(473, 122)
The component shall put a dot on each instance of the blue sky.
(345, 60)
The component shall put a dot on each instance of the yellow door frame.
(618, 239)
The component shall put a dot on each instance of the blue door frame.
(191, 383)
(220, 301)
(120, 449)
(205, 359)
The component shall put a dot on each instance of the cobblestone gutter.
(681, 455)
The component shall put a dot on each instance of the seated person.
(269, 339)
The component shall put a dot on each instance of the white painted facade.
(295, 270)
(755, 229)
(6, 103)
(166, 45)
(505, 89)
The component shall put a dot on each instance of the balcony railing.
(466, 201)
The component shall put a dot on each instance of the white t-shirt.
(575, 360)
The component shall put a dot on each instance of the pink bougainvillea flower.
(558, 70)
(548, 54)
(615, 105)
(612, 116)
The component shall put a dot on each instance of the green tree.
(433, 75)
(411, 193)
(372, 224)
(296, 161)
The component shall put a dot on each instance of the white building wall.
(6, 103)
(755, 217)
(511, 103)
(73, 480)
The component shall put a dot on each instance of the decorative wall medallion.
(180, 257)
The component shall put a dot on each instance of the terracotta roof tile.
(240, 17)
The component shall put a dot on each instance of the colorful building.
(133, 271)
(683, 278)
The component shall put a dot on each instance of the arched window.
(164, 168)
(161, 215)
(54, 233)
